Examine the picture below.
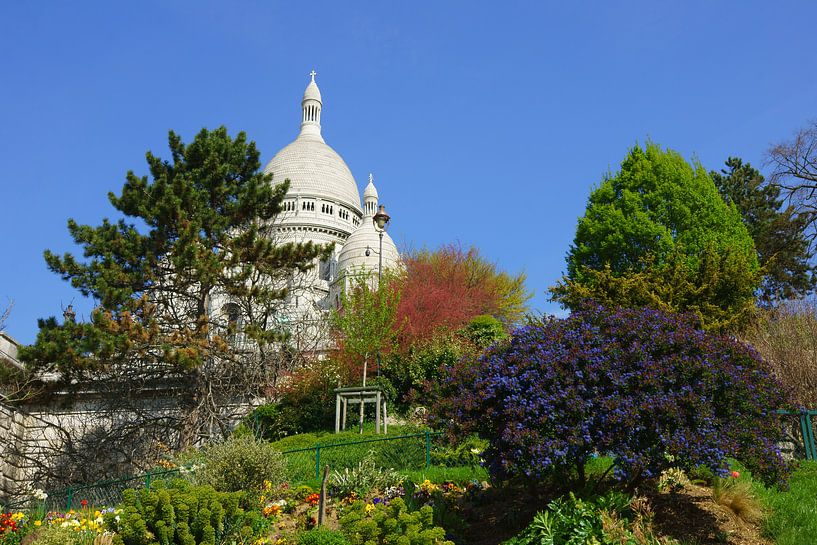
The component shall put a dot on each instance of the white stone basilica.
(323, 205)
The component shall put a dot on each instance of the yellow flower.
(38, 523)
(369, 508)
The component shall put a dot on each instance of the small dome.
(370, 191)
(312, 92)
(353, 256)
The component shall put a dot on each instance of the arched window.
(233, 322)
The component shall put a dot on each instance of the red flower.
(84, 503)
(735, 474)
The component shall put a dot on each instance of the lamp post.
(381, 220)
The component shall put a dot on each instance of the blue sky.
(485, 124)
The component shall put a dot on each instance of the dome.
(313, 168)
(371, 191)
(353, 255)
(312, 92)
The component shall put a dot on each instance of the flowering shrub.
(642, 386)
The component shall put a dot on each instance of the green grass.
(459, 475)
(307, 440)
(792, 518)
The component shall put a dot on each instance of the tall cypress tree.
(777, 230)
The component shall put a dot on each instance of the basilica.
(323, 205)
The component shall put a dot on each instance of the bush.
(640, 385)
(378, 524)
(609, 519)
(786, 337)
(185, 515)
(53, 535)
(240, 463)
(322, 536)
(363, 478)
(306, 403)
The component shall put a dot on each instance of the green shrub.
(392, 523)
(614, 518)
(240, 463)
(364, 478)
(53, 535)
(185, 515)
(322, 536)
(467, 452)
(484, 330)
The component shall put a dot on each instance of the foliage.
(613, 519)
(322, 536)
(644, 386)
(183, 515)
(484, 330)
(786, 337)
(365, 324)
(56, 535)
(421, 364)
(777, 231)
(655, 222)
(672, 287)
(305, 402)
(466, 452)
(443, 290)
(381, 524)
(363, 478)
(240, 463)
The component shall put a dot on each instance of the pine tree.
(778, 232)
(196, 233)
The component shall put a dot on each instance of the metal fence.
(402, 452)
(800, 433)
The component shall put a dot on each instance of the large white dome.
(314, 170)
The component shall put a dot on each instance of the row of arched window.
(326, 208)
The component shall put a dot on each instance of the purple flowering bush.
(650, 389)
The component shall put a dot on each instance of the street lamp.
(381, 220)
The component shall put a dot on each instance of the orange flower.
(313, 499)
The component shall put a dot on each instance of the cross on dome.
(313, 74)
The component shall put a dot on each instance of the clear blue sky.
(484, 123)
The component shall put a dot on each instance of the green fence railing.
(401, 452)
(803, 431)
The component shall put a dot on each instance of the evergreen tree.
(657, 233)
(777, 230)
(195, 235)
